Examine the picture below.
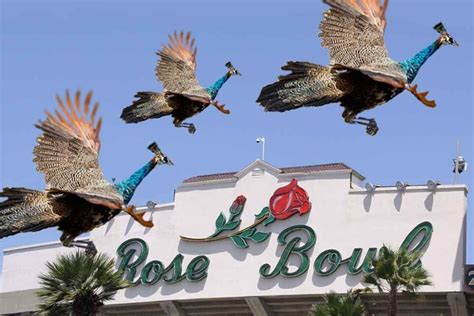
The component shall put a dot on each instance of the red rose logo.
(238, 205)
(289, 200)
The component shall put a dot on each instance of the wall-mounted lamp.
(150, 205)
(432, 184)
(370, 187)
(401, 186)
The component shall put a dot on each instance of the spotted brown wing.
(176, 68)
(353, 31)
(67, 152)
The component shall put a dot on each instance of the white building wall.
(343, 219)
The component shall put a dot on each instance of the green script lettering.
(332, 257)
(366, 265)
(291, 248)
(154, 266)
(154, 270)
(126, 251)
(197, 268)
(425, 230)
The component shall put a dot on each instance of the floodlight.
(370, 187)
(151, 205)
(401, 186)
(432, 184)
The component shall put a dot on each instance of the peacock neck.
(128, 186)
(214, 89)
(412, 65)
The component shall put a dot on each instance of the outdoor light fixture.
(151, 205)
(261, 140)
(432, 184)
(370, 187)
(401, 186)
(460, 164)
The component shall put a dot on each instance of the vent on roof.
(257, 172)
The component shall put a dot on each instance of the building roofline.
(297, 170)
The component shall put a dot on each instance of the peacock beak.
(453, 42)
(167, 161)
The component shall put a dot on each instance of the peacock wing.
(353, 31)
(67, 152)
(26, 210)
(307, 84)
(176, 67)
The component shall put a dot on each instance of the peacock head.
(232, 70)
(445, 38)
(160, 158)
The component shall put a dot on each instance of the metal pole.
(456, 165)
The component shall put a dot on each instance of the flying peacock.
(361, 75)
(183, 96)
(77, 198)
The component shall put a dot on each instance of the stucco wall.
(343, 219)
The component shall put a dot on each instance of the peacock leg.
(371, 124)
(350, 118)
(88, 246)
(190, 126)
(138, 216)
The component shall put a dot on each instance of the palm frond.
(397, 269)
(76, 278)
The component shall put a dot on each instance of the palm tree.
(395, 271)
(337, 305)
(78, 284)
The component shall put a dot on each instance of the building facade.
(270, 241)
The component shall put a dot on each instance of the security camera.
(260, 140)
(461, 164)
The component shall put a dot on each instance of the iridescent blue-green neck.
(127, 187)
(214, 89)
(412, 65)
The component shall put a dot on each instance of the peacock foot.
(421, 96)
(88, 246)
(220, 107)
(370, 124)
(191, 129)
(131, 210)
(190, 126)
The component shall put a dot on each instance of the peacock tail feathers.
(149, 105)
(25, 210)
(307, 84)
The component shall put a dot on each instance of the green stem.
(206, 239)
(231, 219)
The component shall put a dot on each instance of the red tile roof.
(299, 169)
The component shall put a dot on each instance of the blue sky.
(109, 47)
